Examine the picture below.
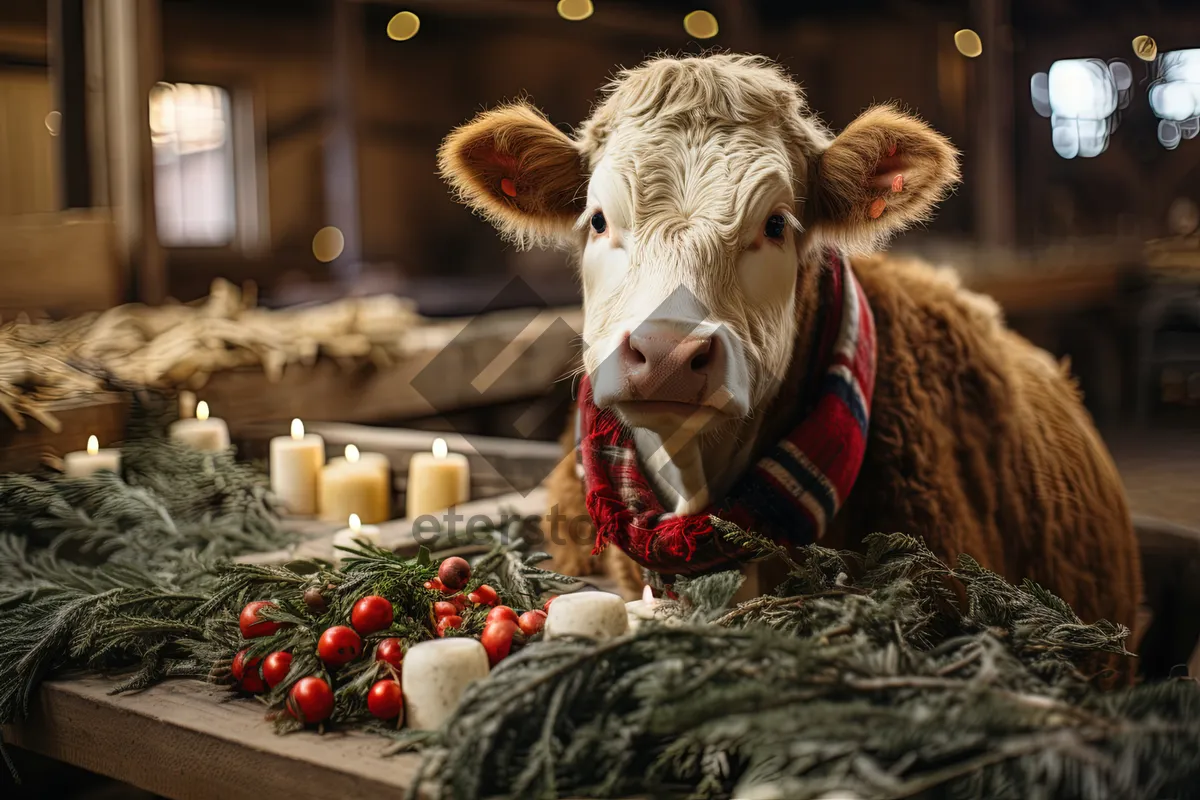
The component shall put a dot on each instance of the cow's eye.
(776, 225)
(599, 224)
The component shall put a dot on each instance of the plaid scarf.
(790, 495)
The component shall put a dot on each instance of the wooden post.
(994, 193)
(341, 143)
(68, 67)
(132, 65)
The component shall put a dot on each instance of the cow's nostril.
(632, 353)
(705, 352)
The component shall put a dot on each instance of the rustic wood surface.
(181, 740)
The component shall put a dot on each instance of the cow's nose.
(665, 362)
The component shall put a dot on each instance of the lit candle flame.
(355, 523)
(352, 454)
(440, 450)
(648, 596)
(202, 411)
(93, 445)
(297, 430)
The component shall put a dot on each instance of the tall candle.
(437, 480)
(353, 531)
(359, 483)
(82, 463)
(205, 433)
(296, 462)
(435, 675)
(592, 615)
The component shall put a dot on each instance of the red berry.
(484, 596)
(435, 584)
(246, 673)
(252, 625)
(275, 668)
(372, 613)
(531, 622)
(454, 573)
(453, 621)
(443, 608)
(497, 639)
(546, 605)
(310, 700)
(501, 612)
(385, 700)
(390, 651)
(339, 645)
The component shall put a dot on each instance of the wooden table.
(180, 740)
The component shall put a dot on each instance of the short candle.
(435, 675)
(202, 433)
(359, 483)
(591, 615)
(436, 481)
(641, 610)
(354, 530)
(81, 463)
(296, 462)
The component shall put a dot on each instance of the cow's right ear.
(518, 171)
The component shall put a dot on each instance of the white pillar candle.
(359, 483)
(296, 462)
(355, 530)
(82, 463)
(435, 675)
(436, 481)
(592, 615)
(206, 433)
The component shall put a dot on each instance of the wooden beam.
(133, 64)
(995, 189)
(342, 200)
(68, 68)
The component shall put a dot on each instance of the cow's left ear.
(886, 171)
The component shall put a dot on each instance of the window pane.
(193, 165)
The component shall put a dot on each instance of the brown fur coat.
(978, 442)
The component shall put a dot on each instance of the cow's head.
(696, 197)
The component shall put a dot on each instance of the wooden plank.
(329, 391)
(103, 416)
(398, 534)
(180, 740)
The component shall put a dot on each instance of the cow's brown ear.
(885, 172)
(521, 173)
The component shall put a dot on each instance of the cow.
(710, 212)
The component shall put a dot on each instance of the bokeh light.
(575, 10)
(968, 43)
(1145, 48)
(700, 25)
(328, 244)
(54, 122)
(403, 26)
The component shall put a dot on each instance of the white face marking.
(688, 220)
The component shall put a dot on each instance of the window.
(194, 183)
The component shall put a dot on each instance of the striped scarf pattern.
(790, 495)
